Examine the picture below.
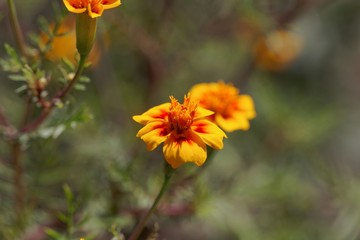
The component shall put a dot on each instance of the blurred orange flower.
(183, 129)
(277, 50)
(95, 8)
(232, 111)
(63, 44)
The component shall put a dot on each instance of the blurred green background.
(293, 176)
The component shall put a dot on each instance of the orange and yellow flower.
(277, 50)
(183, 129)
(232, 111)
(95, 8)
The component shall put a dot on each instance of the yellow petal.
(111, 3)
(152, 126)
(153, 139)
(158, 112)
(209, 132)
(246, 106)
(236, 122)
(191, 149)
(198, 90)
(71, 7)
(153, 134)
(243, 111)
(202, 112)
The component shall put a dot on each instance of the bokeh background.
(293, 176)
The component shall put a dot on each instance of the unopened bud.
(41, 83)
(85, 33)
(70, 76)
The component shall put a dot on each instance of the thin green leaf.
(80, 87)
(21, 89)
(16, 77)
(62, 217)
(84, 79)
(52, 233)
(68, 193)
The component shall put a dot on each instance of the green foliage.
(292, 175)
(68, 218)
(13, 63)
(65, 118)
(116, 233)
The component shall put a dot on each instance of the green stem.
(168, 171)
(14, 22)
(77, 76)
(60, 96)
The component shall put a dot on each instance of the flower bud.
(85, 33)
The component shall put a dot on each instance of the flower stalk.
(168, 172)
(85, 33)
(15, 26)
(32, 126)
(18, 180)
(76, 77)
(3, 120)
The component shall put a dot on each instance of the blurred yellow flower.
(183, 129)
(277, 50)
(95, 8)
(232, 111)
(63, 44)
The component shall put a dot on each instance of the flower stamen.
(181, 116)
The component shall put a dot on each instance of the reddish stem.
(3, 120)
(18, 178)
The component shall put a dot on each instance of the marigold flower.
(183, 129)
(95, 8)
(277, 50)
(232, 111)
